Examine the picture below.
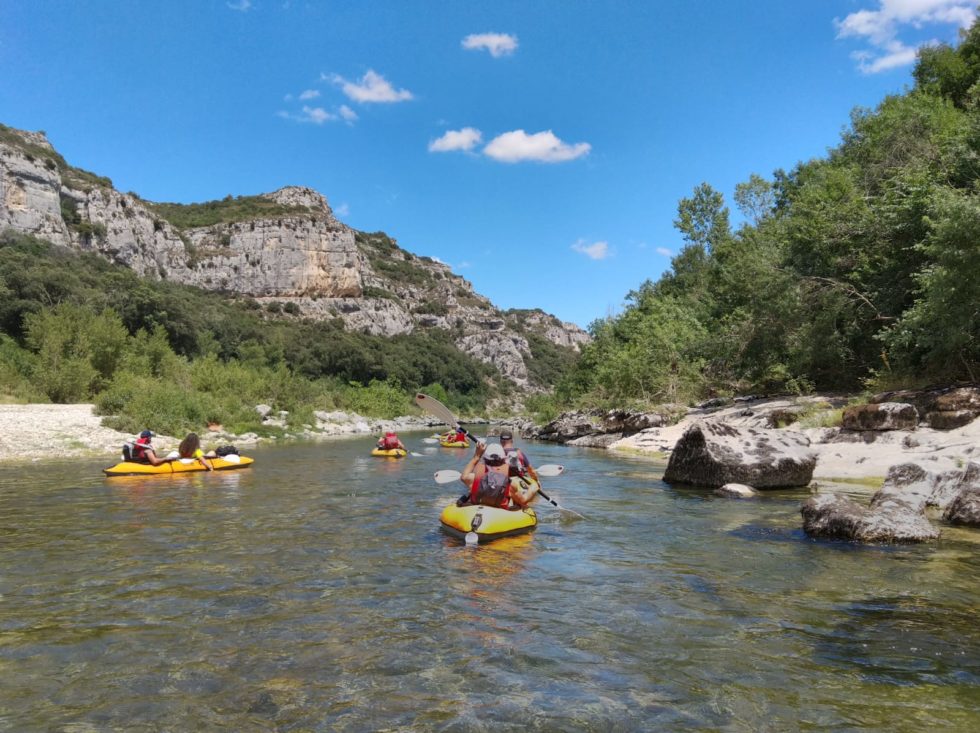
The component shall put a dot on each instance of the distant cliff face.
(285, 246)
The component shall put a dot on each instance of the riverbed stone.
(715, 454)
(881, 416)
(896, 512)
(736, 491)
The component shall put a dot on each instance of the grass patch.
(228, 210)
(872, 482)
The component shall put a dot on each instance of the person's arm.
(207, 464)
(530, 469)
(469, 470)
(151, 456)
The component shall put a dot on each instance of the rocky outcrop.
(963, 504)
(897, 512)
(596, 428)
(714, 454)
(942, 408)
(292, 251)
(881, 416)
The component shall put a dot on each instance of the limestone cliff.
(284, 246)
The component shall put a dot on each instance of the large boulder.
(943, 408)
(896, 512)
(964, 507)
(881, 416)
(715, 454)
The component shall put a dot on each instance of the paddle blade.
(447, 476)
(550, 469)
(435, 408)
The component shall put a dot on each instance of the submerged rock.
(715, 454)
(736, 491)
(897, 511)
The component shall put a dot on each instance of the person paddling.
(489, 480)
(390, 441)
(517, 460)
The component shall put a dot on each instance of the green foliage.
(77, 350)
(228, 210)
(74, 327)
(855, 267)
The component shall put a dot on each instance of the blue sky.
(538, 147)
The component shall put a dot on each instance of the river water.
(315, 591)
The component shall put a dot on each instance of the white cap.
(493, 452)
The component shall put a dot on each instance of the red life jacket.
(389, 442)
(139, 449)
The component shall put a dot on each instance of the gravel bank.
(36, 432)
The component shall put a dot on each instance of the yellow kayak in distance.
(454, 444)
(389, 453)
(178, 465)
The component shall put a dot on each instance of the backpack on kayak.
(225, 450)
(127, 451)
(492, 490)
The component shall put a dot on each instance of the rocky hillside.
(284, 246)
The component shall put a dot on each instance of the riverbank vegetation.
(854, 271)
(75, 328)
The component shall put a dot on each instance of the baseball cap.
(506, 435)
(147, 434)
(494, 454)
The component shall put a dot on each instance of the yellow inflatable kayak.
(486, 522)
(178, 465)
(390, 453)
(454, 443)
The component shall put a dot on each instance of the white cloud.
(664, 251)
(372, 88)
(465, 139)
(309, 94)
(342, 210)
(498, 44)
(464, 265)
(241, 5)
(316, 115)
(881, 28)
(349, 116)
(595, 251)
(544, 147)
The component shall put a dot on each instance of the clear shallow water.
(315, 591)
